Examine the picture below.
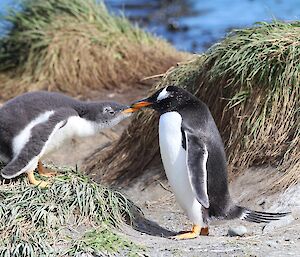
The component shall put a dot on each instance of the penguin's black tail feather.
(260, 217)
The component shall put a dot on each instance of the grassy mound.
(75, 46)
(251, 82)
(73, 216)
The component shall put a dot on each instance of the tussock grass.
(73, 216)
(76, 46)
(95, 241)
(251, 83)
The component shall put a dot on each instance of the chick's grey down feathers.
(18, 112)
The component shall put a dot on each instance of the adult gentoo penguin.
(35, 124)
(194, 159)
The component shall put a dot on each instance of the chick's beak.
(129, 110)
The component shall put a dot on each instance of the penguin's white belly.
(57, 139)
(174, 160)
(75, 126)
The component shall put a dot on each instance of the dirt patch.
(165, 218)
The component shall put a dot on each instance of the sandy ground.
(164, 218)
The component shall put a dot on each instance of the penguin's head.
(167, 99)
(106, 114)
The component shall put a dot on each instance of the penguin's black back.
(197, 118)
(16, 113)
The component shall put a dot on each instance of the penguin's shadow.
(151, 228)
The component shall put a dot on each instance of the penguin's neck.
(82, 125)
(81, 107)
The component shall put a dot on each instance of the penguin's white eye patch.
(163, 94)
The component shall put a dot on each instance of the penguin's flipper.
(32, 151)
(196, 166)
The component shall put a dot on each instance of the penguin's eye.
(108, 110)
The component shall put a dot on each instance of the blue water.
(203, 22)
(5, 6)
(193, 25)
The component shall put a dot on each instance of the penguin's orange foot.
(44, 171)
(204, 231)
(196, 231)
(187, 235)
(41, 184)
(48, 173)
(33, 181)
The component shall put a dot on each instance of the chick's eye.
(108, 110)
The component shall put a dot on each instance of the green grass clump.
(257, 71)
(95, 241)
(73, 215)
(251, 83)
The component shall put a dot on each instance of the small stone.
(278, 224)
(272, 244)
(237, 231)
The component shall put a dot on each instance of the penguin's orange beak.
(136, 106)
(141, 104)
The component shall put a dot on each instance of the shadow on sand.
(150, 227)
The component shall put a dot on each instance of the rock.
(278, 224)
(237, 231)
(175, 26)
(272, 244)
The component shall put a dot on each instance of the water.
(5, 5)
(193, 25)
